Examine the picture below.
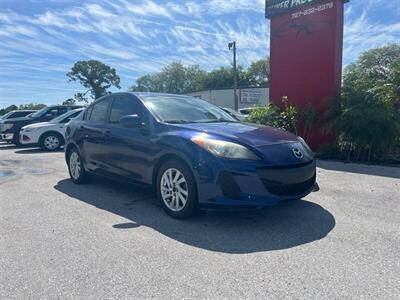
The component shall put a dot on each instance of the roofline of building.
(231, 88)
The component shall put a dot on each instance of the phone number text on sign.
(312, 10)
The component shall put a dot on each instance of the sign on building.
(250, 96)
(278, 7)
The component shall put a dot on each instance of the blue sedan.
(195, 154)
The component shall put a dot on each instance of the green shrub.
(272, 115)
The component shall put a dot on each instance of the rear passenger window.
(123, 106)
(99, 111)
(61, 111)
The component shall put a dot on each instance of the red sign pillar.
(306, 57)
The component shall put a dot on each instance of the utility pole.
(232, 46)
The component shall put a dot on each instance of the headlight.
(224, 149)
(7, 126)
(303, 142)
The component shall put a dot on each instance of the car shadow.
(36, 150)
(374, 170)
(281, 227)
(7, 146)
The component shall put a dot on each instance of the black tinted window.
(123, 106)
(20, 114)
(61, 111)
(51, 114)
(74, 115)
(99, 111)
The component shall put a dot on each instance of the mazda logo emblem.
(297, 153)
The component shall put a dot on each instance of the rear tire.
(76, 169)
(176, 189)
(51, 141)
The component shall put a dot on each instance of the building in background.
(248, 97)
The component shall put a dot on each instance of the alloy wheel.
(174, 189)
(75, 165)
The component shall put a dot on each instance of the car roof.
(24, 110)
(143, 94)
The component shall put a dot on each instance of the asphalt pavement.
(112, 240)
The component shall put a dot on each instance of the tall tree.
(366, 118)
(95, 76)
(258, 73)
(32, 106)
(174, 78)
(69, 101)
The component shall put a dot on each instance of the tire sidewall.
(191, 206)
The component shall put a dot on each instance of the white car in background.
(247, 110)
(48, 135)
(234, 113)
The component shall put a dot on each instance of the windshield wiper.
(177, 121)
(218, 121)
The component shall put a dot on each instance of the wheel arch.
(68, 149)
(164, 158)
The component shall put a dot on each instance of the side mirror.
(131, 121)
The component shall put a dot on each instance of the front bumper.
(6, 137)
(255, 184)
(26, 139)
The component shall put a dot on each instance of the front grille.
(288, 189)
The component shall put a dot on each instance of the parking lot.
(112, 240)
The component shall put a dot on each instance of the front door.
(131, 149)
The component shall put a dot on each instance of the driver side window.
(123, 106)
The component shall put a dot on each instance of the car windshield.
(39, 113)
(181, 109)
(6, 115)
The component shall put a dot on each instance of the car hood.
(17, 120)
(250, 134)
(38, 125)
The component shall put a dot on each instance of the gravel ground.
(112, 240)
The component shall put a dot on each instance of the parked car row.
(10, 128)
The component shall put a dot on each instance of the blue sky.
(40, 40)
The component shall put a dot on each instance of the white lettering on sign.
(250, 96)
(299, 2)
(280, 5)
(312, 10)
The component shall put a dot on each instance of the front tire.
(15, 139)
(176, 190)
(76, 169)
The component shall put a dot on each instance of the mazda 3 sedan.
(196, 155)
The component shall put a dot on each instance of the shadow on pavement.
(36, 150)
(374, 170)
(6, 146)
(280, 227)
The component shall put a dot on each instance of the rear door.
(94, 135)
(131, 149)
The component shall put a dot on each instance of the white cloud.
(141, 36)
